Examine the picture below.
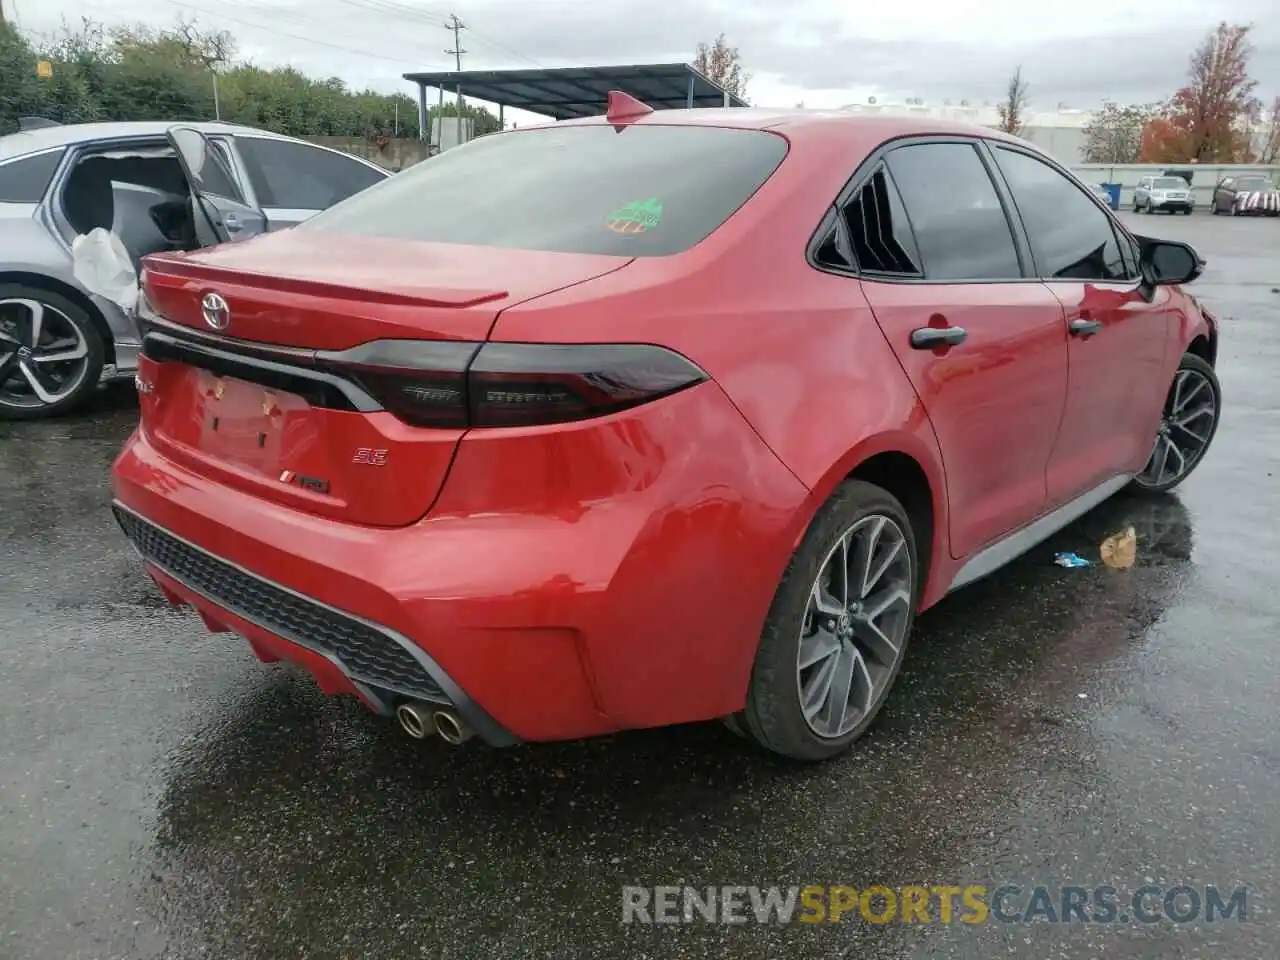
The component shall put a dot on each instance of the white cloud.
(824, 52)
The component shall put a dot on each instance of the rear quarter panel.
(797, 351)
(27, 247)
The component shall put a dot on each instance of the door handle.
(926, 338)
(1081, 327)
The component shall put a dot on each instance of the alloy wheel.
(1190, 415)
(855, 626)
(43, 355)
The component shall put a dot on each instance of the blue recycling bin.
(1113, 192)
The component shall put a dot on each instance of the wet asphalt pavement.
(162, 794)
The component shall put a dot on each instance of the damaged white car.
(81, 204)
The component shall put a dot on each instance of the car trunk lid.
(262, 359)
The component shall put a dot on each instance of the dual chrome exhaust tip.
(421, 720)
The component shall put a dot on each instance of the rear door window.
(640, 191)
(25, 180)
(956, 215)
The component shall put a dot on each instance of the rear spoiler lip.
(177, 266)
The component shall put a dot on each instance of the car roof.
(803, 123)
(64, 135)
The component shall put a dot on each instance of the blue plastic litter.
(1070, 560)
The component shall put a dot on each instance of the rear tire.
(865, 530)
(64, 330)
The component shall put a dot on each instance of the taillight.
(517, 384)
(455, 384)
(423, 382)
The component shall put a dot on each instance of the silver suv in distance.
(58, 341)
(1163, 193)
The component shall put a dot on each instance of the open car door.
(218, 204)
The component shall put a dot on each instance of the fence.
(1205, 176)
(393, 154)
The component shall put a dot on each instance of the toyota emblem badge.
(216, 312)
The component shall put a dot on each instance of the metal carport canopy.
(567, 92)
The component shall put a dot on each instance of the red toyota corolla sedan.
(650, 418)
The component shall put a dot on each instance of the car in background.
(687, 421)
(1246, 195)
(58, 341)
(1154, 194)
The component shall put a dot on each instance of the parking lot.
(162, 794)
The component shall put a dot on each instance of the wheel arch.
(1204, 346)
(49, 284)
(905, 466)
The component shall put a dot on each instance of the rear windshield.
(645, 191)
(1171, 183)
(1254, 183)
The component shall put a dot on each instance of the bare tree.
(722, 64)
(1013, 110)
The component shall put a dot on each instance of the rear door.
(984, 347)
(218, 204)
(1118, 339)
(294, 181)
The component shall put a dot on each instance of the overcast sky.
(821, 52)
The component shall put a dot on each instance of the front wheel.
(1190, 421)
(50, 353)
(837, 630)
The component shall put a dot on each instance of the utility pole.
(457, 26)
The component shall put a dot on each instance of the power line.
(435, 18)
(296, 36)
(399, 9)
(457, 26)
(486, 39)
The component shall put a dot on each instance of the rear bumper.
(344, 653)
(568, 582)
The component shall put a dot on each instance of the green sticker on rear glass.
(638, 216)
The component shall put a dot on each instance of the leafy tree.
(1207, 119)
(1270, 152)
(1014, 108)
(145, 73)
(1163, 141)
(722, 64)
(1114, 135)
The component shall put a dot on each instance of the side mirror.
(1168, 262)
